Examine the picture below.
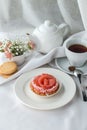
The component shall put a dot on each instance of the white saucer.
(63, 64)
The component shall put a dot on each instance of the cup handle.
(64, 29)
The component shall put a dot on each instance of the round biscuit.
(7, 75)
(8, 68)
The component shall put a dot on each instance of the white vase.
(19, 59)
(2, 58)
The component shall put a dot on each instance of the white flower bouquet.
(15, 48)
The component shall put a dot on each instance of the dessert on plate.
(44, 84)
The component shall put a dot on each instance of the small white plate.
(28, 98)
(63, 64)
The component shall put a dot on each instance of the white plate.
(63, 64)
(28, 98)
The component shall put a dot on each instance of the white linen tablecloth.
(14, 115)
(22, 16)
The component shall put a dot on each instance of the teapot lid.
(48, 27)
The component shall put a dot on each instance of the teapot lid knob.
(47, 23)
(48, 27)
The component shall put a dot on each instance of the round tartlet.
(44, 85)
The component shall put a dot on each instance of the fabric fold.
(37, 60)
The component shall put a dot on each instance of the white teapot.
(48, 35)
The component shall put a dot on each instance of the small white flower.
(16, 53)
(17, 49)
(20, 47)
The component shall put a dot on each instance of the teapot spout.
(64, 29)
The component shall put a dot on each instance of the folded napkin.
(35, 60)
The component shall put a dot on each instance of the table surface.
(14, 115)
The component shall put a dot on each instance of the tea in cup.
(76, 51)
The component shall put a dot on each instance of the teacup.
(76, 51)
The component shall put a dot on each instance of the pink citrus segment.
(45, 81)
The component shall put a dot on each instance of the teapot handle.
(64, 29)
